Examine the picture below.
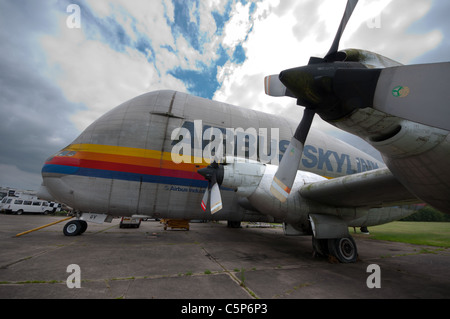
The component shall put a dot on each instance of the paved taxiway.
(210, 261)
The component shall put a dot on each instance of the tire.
(84, 226)
(73, 228)
(344, 249)
(19, 212)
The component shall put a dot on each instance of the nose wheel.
(75, 228)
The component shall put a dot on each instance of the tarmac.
(210, 261)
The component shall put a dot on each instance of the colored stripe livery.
(123, 163)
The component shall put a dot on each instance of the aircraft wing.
(376, 188)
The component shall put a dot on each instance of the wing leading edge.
(377, 188)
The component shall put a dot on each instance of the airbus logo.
(194, 142)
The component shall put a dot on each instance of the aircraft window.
(64, 153)
(18, 202)
(27, 202)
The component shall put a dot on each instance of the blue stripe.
(60, 169)
(90, 172)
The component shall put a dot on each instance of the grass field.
(418, 233)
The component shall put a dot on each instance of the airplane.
(168, 154)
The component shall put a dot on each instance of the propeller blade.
(205, 200)
(419, 93)
(287, 171)
(214, 175)
(216, 199)
(274, 87)
(332, 53)
(312, 86)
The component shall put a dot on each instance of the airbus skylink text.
(194, 142)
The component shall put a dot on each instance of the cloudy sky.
(56, 79)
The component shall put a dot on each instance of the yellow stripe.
(136, 152)
(130, 151)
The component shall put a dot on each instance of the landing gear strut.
(344, 249)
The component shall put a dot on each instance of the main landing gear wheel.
(344, 249)
(75, 228)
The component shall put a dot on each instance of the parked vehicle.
(18, 206)
(130, 222)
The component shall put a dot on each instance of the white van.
(18, 206)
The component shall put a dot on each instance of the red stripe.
(127, 168)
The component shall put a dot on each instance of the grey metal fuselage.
(143, 130)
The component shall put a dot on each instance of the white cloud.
(92, 73)
(393, 38)
(238, 26)
(284, 34)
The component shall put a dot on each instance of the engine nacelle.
(295, 209)
(242, 175)
(252, 180)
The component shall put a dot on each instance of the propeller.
(333, 88)
(422, 99)
(214, 175)
(311, 85)
(332, 54)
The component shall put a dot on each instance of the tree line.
(428, 214)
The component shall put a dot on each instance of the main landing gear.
(75, 227)
(343, 249)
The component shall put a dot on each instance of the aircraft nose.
(54, 171)
(43, 192)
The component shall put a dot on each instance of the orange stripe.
(132, 160)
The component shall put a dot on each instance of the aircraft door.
(166, 115)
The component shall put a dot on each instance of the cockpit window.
(62, 153)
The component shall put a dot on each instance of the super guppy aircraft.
(164, 154)
(122, 165)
